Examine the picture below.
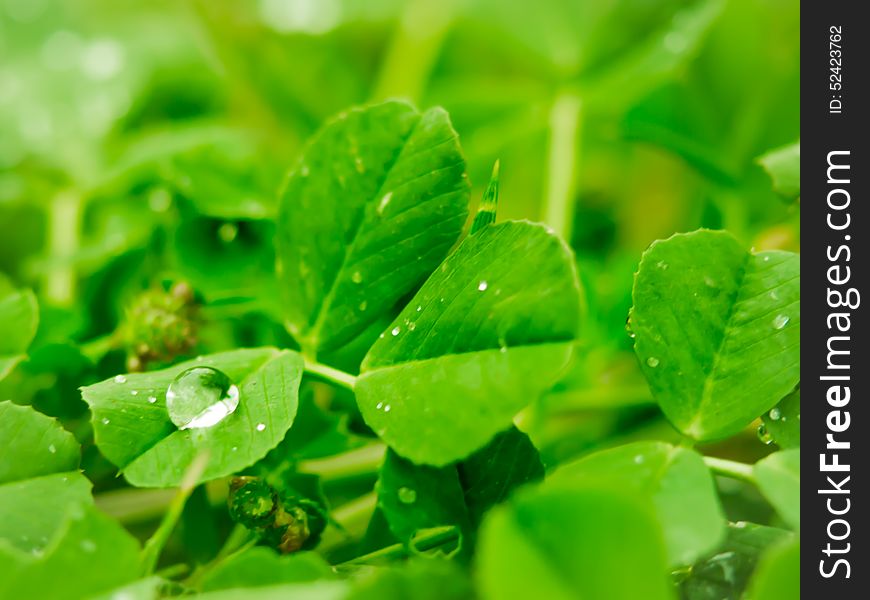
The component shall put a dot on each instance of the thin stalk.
(730, 468)
(359, 461)
(414, 48)
(131, 505)
(429, 541)
(352, 519)
(336, 376)
(64, 221)
(239, 540)
(97, 348)
(562, 157)
(155, 544)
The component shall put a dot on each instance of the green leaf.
(89, 554)
(19, 316)
(260, 566)
(779, 479)
(492, 473)
(726, 572)
(488, 204)
(784, 167)
(38, 481)
(33, 444)
(485, 335)
(571, 543)
(317, 590)
(718, 330)
(33, 510)
(133, 430)
(675, 479)
(416, 580)
(783, 421)
(779, 574)
(143, 589)
(414, 498)
(374, 204)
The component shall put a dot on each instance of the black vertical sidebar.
(835, 169)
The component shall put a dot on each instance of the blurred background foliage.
(143, 143)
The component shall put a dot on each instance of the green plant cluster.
(453, 337)
(273, 326)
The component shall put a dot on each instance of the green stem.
(434, 539)
(415, 47)
(64, 221)
(97, 348)
(155, 544)
(131, 505)
(359, 461)
(345, 380)
(730, 468)
(352, 519)
(562, 159)
(239, 540)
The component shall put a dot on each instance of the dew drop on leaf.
(775, 413)
(407, 495)
(638, 460)
(201, 397)
(152, 399)
(356, 277)
(780, 321)
(363, 306)
(106, 421)
(120, 379)
(387, 408)
(52, 448)
(88, 546)
(228, 232)
(412, 326)
(380, 405)
(419, 308)
(652, 361)
(396, 331)
(384, 202)
(134, 393)
(482, 286)
(662, 265)
(261, 426)
(764, 435)
(628, 328)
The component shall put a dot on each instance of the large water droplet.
(407, 495)
(652, 361)
(780, 321)
(764, 435)
(775, 414)
(201, 397)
